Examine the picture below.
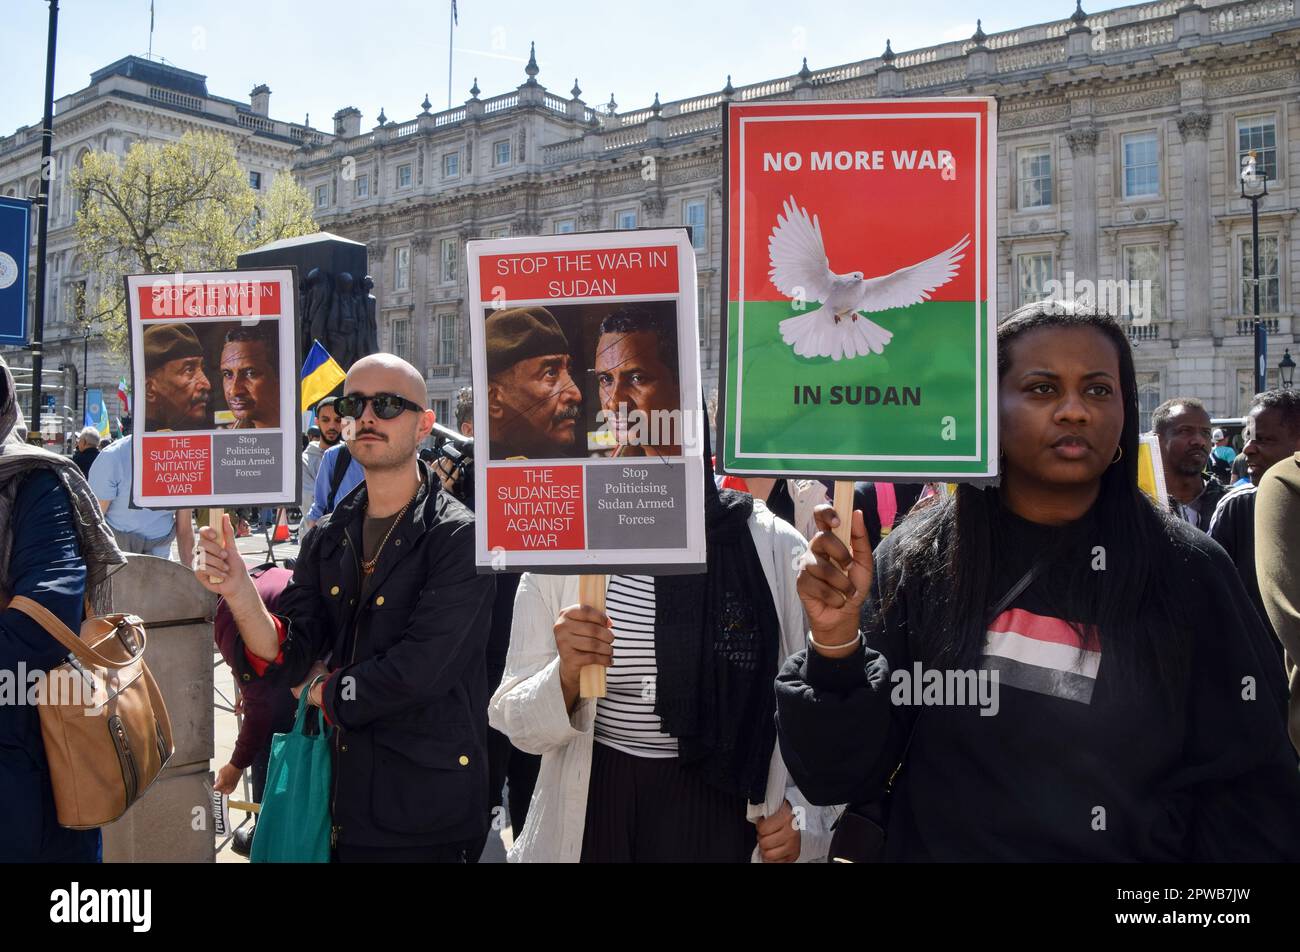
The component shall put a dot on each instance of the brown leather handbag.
(105, 726)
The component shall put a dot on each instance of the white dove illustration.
(801, 271)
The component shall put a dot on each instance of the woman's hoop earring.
(1119, 454)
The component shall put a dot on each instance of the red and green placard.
(860, 277)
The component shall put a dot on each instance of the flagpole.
(451, 24)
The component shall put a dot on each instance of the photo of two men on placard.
(581, 381)
(211, 375)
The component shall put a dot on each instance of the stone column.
(1193, 127)
(1083, 147)
(172, 821)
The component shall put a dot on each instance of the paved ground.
(254, 550)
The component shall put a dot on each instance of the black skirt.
(654, 810)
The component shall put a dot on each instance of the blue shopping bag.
(294, 823)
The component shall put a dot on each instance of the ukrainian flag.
(320, 374)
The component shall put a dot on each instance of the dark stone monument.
(335, 305)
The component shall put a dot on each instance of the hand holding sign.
(832, 598)
(583, 636)
(218, 565)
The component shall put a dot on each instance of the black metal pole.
(85, 361)
(1261, 338)
(43, 220)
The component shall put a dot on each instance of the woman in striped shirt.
(678, 761)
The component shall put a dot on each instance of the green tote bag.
(294, 825)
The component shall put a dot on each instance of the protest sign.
(860, 277)
(15, 240)
(587, 417)
(214, 367)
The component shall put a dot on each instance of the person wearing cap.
(176, 390)
(1222, 456)
(534, 407)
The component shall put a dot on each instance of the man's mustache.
(571, 412)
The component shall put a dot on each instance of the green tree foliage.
(168, 207)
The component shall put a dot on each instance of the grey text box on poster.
(636, 506)
(246, 461)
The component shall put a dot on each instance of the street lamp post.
(1286, 371)
(1254, 187)
(43, 214)
(85, 363)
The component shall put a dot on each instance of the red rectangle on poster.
(535, 508)
(588, 272)
(176, 466)
(172, 301)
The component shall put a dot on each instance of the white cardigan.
(529, 708)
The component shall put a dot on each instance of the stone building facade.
(1119, 140)
(131, 100)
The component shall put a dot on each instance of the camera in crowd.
(452, 455)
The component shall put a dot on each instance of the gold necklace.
(368, 568)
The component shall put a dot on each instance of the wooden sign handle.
(215, 517)
(844, 509)
(591, 593)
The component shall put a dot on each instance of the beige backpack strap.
(64, 635)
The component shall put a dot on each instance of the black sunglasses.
(387, 406)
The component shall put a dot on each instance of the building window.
(501, 153)
(451, 165)
(449, 261)
(1258, 134)
(702, 318)
(322, 196)
(502, 231)
(404, 176)
(402, 338)
(565, 226)
(626, 219)
(1269, 285)
(1141, 164)
(447, 338)
(1246, 387)
(1148, 384)
(1033, 271)
(255, 181)
(363, 186)
(695, 217)
(1034, 168)
(1144, 270)
(442, 412)
(402, 269)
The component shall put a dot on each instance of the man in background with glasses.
(385, 589)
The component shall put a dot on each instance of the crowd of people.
(1140, 653)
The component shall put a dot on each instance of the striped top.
(625, 716)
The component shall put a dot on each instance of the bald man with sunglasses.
(385, 589)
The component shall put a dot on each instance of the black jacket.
(408, 694)
(1212, 492)
(1205, 778)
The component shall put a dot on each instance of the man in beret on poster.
(534, 407)
(176, 390)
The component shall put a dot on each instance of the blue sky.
(320, 56)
